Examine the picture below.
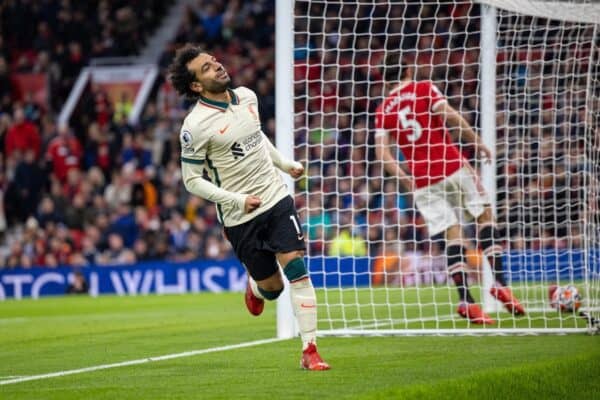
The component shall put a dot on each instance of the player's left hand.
(296, 172)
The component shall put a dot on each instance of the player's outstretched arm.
(461, 131)
(294, 168)
(197, 185)
(390, 164)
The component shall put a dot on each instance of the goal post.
(525, 74)
(286, 324)
(488, 130)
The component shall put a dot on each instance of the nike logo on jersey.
(222, 131)
(303, 305)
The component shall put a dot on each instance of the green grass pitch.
(58, 334)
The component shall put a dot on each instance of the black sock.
(460, 279)
(496, 263)
(488, 240)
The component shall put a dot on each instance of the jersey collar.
(399, 87)
(220, 105)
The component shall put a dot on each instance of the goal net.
(529, 85)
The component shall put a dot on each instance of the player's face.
(210, 74)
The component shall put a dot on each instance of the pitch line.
(139, 361)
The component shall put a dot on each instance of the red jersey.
(65, 154)
(407, 116)
(22, 136)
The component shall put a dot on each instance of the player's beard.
(217, 87)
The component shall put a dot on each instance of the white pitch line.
(140, 361)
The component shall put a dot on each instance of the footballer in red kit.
(416, 116)
(423, 139)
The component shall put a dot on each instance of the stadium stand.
(104, 192)
(101, 191)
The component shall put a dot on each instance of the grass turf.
(57, 334)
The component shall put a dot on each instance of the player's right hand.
(484, 153)
(251, 203)
(296, 170)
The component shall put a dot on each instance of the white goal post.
(526, 75)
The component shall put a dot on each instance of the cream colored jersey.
(227, 140)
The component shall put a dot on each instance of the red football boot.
(253, 303)
(474, 313)
(504, 294)
(312, 361)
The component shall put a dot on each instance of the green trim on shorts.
(295, 270)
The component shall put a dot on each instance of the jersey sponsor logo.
(236, 150)
(186, 139)
(222, 131)
(251, 141)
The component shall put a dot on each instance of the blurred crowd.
(59, 37)
(104, 192)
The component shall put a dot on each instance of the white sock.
(254, 288)
(304, 303)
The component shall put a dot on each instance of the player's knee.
(295, 270)
(270, 294)
(285, 258)
(486, 217)
(453, 233)
(271, 287)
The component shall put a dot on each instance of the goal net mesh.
(369, 251)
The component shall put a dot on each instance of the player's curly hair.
(393, 68)
(180, 76)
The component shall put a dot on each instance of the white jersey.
(228, 141)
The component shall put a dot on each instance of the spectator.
(5, 85)
(77, 213)
(78, 285)
(392, 266)
(212, 22)
(123, 107)
(28, 184)
(64, 153)
(47, 213)
(346, 244)
(99, 149)
(22, 135)
(136, 151)
(119, 190)
(116, 254)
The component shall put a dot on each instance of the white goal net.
(529, 85)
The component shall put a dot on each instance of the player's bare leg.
(259, 291)
(304, 304)
(457, 263)
(488, 236)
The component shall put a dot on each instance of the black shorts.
(256, 242)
